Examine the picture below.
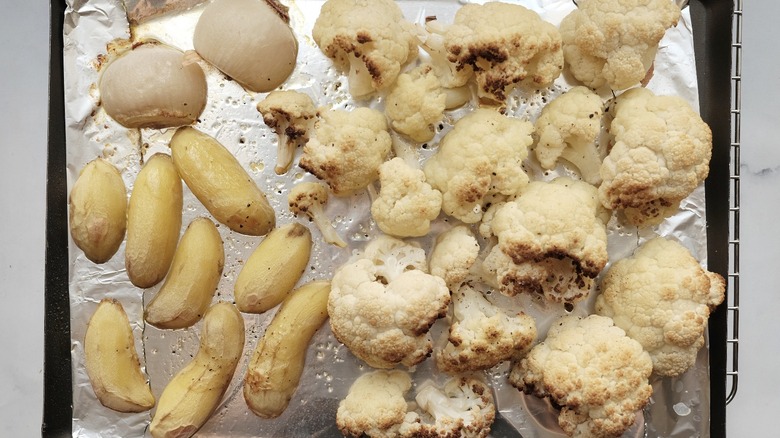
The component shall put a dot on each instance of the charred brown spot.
(492, 53)
(294, 133)
(373, 69)
(363, 37)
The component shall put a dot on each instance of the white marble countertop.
(24, 78)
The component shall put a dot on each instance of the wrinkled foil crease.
(679, 407)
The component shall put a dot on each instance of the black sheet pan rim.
(712, 24)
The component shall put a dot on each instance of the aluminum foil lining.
(679, 406)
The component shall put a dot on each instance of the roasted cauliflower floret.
(415, 105)
(614, 42)
(290, 114)
(482, 157)
(347, 149)
(406, 204)
(369, 39)
(482, 335)
(569, 128)
(310, 198)
(454, 253)
(463, 407)
(662, 298)
(432, 41)
(382, 304)
(661, 152)
(552, 240)
(505, 45)
(375, 405)
(593, 371)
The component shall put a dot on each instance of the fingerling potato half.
(277, 363)
(273, 268)
(193, 394)
(153, 221)
(192, 280)
(111, 360)
(98, 210)
(219, 182)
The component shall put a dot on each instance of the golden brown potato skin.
(193, 278)
(273, 269)
(111, 360)
(219, 182)
(98, 210)
(277, 364)
(153, 221)
(193, 394)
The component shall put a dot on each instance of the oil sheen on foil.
(679, 407)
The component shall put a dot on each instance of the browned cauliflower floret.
(480, 159)
(569, 128)
(415, 105)
(662, 298)
(505, 45)
(463, 407)
(370, 39)
(406, 204)
(454, 253)
(482, 335)
(347, 149)
(375, 405)
(614, 42)
(661, 152)
(593, 371)
(290, 114)
(310, 198)
(552, 240)
(383, 302)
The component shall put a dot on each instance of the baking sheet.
(107, 140)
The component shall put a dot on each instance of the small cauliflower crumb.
(369, 39)
(482, 335)
(415, 105)
(661, 152)
(406, 204)
(593, 371)
(614, 42)
(480, 159)
(569, 128)
(552, 240)
(347, 149)
(662, 298)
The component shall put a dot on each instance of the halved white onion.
(153, 86)
(248, 40)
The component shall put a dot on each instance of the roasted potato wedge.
(277, 363)
(98, 210)
(273, 269)
(193, 278)
(153, 221)
(219, 182)
(193, 394)
(111, 360)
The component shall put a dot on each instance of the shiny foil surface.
(96, 29)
